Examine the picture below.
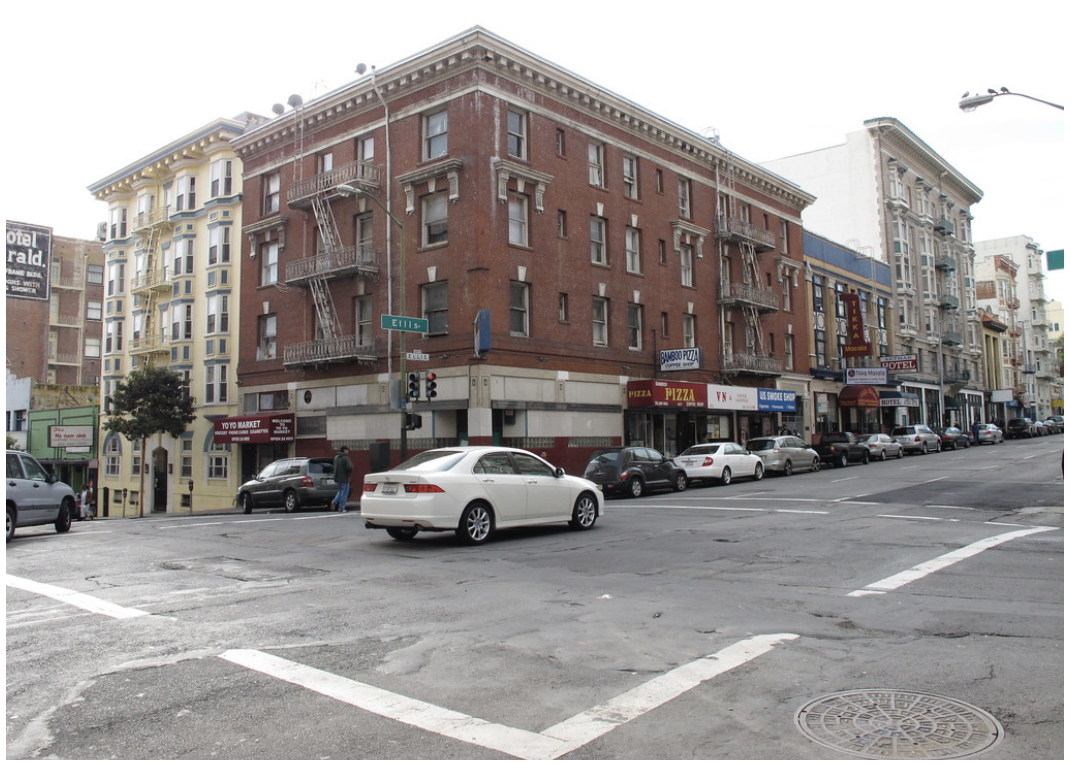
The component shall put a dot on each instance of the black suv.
(1020, 428)
(634, 470)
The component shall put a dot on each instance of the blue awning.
(891, 398)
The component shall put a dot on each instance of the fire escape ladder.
(321, 294)
(149, 329)
(750, 311)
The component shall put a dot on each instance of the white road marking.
(77, 599)
(891, 583)
(552, 743)
(920, 517)
(726, 509)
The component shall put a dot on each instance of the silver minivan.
(785, 453)
(35, 496)
(917, 438)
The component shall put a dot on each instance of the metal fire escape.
(329, 244)
(150, 284)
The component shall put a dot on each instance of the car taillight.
(422, 488)
(917, 439)
(369, 487)
(707, 462)
(306, 482)
(624, 476)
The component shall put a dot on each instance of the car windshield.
(761, 444)
(320, 468)
(701, 450)
(606, 457)
(430, 461)
(903, 431)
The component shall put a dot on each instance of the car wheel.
(726, 476)
(635, 487)
(245, 501)
(290, 502)
(63, 521)
(787, 468)
(939, 447)
(10, 523)
(842, 461)
(584, 514)
(476, 524)
(900, 454)
(401, 534)
(816, 466)
(884, 455)
(865, 457)
(680, 483)
(759, 471)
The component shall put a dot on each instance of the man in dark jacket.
(343, 468)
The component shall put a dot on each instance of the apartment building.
(885, 190)
(1039, 377)
(171, 282)
(576, 270)
(851, 329)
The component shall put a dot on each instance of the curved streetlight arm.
(969, 103)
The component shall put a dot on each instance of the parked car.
(917, 438)
(1020, 428)
(989, 433)
(784, 453)
(1042, 429)
(881, 445)
(720, 462)
(952, 438)
(35, 496)
(634, 470)
(1053, 426)
(290, 483)
(840, 448)
(475, 490)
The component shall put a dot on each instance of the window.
(600, 321)
(518, 220)
(215, 383)
(219, 461)
(659, 181)
(631, 177)
(436, 133)
(362, 311)
(789, 352)
(113, 337)
(113, 457)
(560, 142)
(784, 239)
(118, 223)
(841, 289)
(517, 128)
(95, 274)
(366, 148)
(436, 219)
(689, 331)
(631, 250)
(687, 265)
(266, 346)
(272, 192)
(186, 470)
(598, 240)
(562, 224)
(821, 347)
(662, 249)
(562, 307)
(269, 263)
(218, 314)
(684, 197)
(325, 162)
(182, 322)
(436, 308)
(222, 178)
(219, 245)
(92, 347)
(819, 294)
(518, 308)
(182, 254)
(785, 291)
(185, 193)
(635, 326)
(94, 310)
(595, 166)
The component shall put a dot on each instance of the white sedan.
(720, 462)
(474, 490)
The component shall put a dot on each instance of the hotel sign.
(29, 251)
(900, 362)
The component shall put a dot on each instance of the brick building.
(555, 237)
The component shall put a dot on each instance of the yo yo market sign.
(277, 428)
(683, 359)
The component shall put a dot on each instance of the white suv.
(35, 496)
(917, 438)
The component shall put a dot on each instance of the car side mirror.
(559, 472)
(51, 479)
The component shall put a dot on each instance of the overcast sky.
(92, 87)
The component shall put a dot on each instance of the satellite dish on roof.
(294, 100)
(278, 108)
(361, 68)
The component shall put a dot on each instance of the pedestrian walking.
(83, 503)
(343, 469)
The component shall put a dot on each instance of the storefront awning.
(860, 396)
(892, 398)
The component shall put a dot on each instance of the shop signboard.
(776, 400)
(682, 359)
(265, 428)
(662, 393)
(867, 376)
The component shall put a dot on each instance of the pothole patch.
(896, 724)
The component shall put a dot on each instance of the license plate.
(390, 488)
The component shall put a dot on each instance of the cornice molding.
(899, 141)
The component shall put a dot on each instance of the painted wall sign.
(29, 255)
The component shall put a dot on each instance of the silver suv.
(917, 438)
(290, 483)
(35, 496)
(785, 453)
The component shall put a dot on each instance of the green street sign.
(404, 324)
(1055, 260)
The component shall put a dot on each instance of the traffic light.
(413, 421)
(430, 383)
(414, 386)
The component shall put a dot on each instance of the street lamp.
(354, 191)
(971, 102)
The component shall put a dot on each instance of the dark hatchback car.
(290, 483)
(1020, 428)
(634, 470)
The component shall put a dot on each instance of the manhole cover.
(895, 724)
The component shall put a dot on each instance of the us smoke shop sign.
(684, 359)
(660, 393)
(29, 251)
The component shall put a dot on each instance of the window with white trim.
(596, 164)
(635, 326)
(598, 240)
(631, 250)
(517, 134)
(267, 341)
(222, 178)
(219, 245)
(600, 321)
(436, 307)
(218, 318)
(436, 135)
(269, 263)
(218, 461)
(215, 383)
(683, 188)
(631, 176)
(519, 294)
(272, 193)
(687, 265)
(689, 330)
(518, 220)
(435, 219)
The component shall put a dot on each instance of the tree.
(149, 401)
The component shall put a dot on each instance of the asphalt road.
(685, 625)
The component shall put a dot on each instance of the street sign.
(404, 324)
(417, 356)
